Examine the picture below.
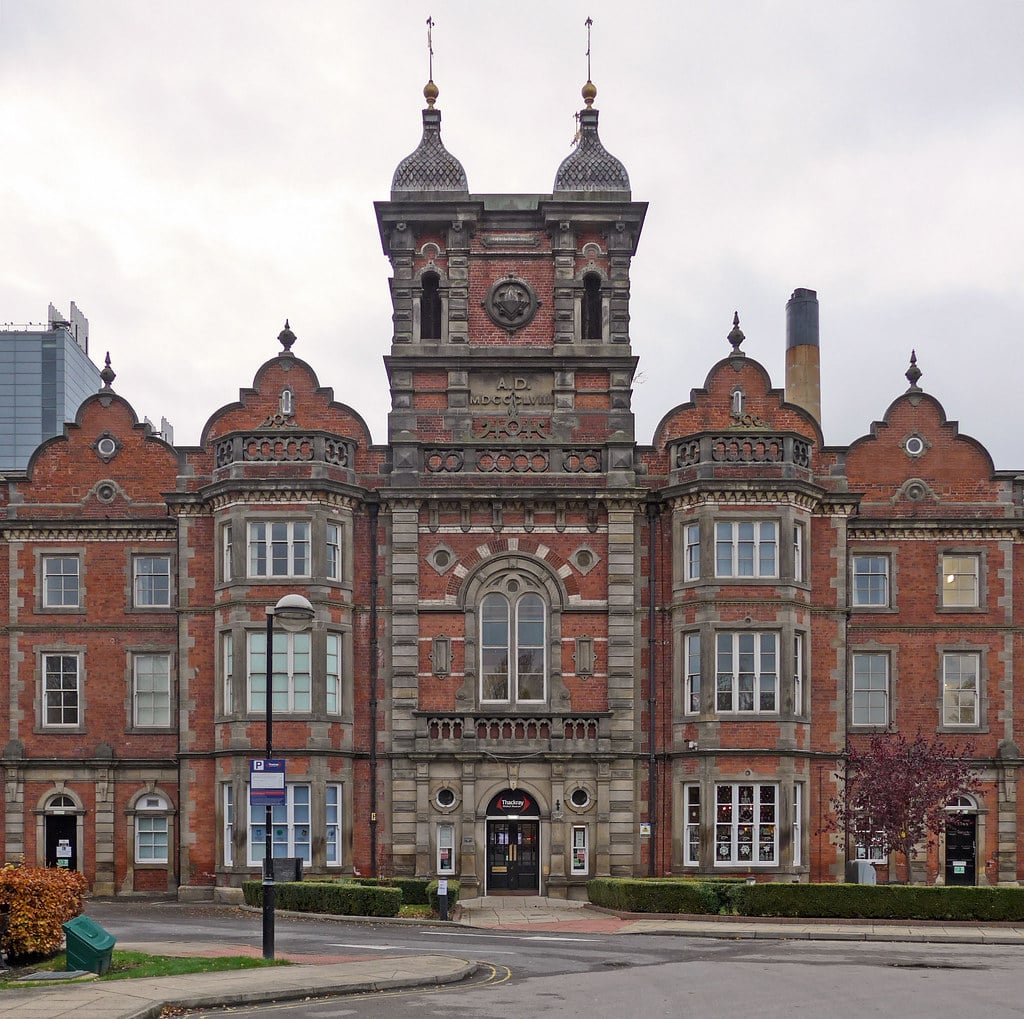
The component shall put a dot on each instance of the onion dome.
(431, 167)
(590, 166)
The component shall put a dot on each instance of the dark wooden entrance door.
(512, 856)
(961, 839)
(62, 841)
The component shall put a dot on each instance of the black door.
(961, 835)
(62, 841)
(512, 856)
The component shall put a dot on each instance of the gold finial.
(590, 89)
(430, 89)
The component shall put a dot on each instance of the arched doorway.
(962, 841)
(61, 832)
(513, 844)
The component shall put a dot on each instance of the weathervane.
(588, 23)
(430, 48)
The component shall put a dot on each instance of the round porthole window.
(106, 446)
(106, 492)
(579, 798)
(445, 798)
(914, 445)
(442, 558)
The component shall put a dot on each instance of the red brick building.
(541, 652)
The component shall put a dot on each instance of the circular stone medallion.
(511, 303)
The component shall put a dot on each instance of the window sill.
(962, 730)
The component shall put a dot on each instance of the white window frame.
(144, 584)
(512, 646)
(961, 580)
(874, 570)
(692, 672)
(334, 665)
(67, 583)
(333, 548)
(762, 655)
(734, 822)
(292, 687)
(691, 544)
(333, 815)
(869, 700)
(151, 821)
(798, 552)
(867, 846)
(227, 664)
(798, 673)
(798, 823)
(158, 696)
(63, 698)
(742, 542)
(293, 819)
(955, 695)
(691, 825)
(278, 548)
(227, 551)
(446, 841)
(229, 825)
(579, 849)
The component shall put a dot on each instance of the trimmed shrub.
(880, 902)
(657, 895)
(821, 901)
(328, 897)
(414, 889)
(38, 901)
(453, 894)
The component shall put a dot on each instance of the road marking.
(369, 948)
(513, 937)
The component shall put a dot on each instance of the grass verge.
(127, 965)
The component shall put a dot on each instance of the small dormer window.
(738, 403)
(430, 307)
(590, 322)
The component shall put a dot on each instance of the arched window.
(590, 320)
(513, 639)
(430, 307)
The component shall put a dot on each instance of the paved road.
(597, 975)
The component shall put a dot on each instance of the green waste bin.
(89, 946)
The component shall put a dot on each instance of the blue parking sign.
(266, 783)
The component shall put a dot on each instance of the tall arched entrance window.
(513, 639)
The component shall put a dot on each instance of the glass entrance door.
(61, 841)
(512, 856)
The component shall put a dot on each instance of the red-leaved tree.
(898, 789)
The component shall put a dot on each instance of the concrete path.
(322, 975)
(535, 913)
(145, 999)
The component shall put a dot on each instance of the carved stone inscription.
(511, 394)
(509, 406)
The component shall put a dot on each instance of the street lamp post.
(294, 613)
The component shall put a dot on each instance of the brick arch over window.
(523, 583)
(567, 581)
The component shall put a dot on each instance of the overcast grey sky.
(191, 173)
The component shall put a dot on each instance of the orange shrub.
(40, 900)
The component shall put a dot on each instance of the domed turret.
(590, 166)
(431, 167)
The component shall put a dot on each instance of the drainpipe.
(374, 509)
(652, 766)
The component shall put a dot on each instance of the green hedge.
(824, 901)
(414, 889)
(328, 897)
